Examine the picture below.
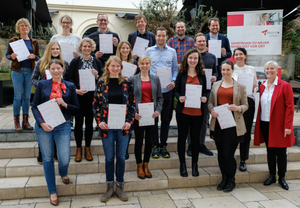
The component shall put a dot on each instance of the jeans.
(61, 135)
(22, 90)
(115, 136)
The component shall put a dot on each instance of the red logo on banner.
(264, 32)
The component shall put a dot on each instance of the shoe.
(17, 123)
(189, 151)
(147, 171)
(155, 152)
(270, 180)
(120, 192)
(25, 123)
(140, 171)
(230, 185)
(205, 151)
(164, 152)
(87, 154)
(65, 180)
(78, 156)
(221, 186)
(283, 183)
(243, 166)
(109, 192)
(54, 202)
(126, 156)
(182, 170)
(195, 171)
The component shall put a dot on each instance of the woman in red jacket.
(274, 123)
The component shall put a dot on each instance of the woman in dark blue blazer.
(65, 95)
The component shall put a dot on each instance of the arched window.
(89, 31)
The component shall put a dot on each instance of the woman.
(113, 88)
(147, 89)
(52, 51)
(274, 122)
(240, 56)
(85, 98)
(190, 72)
(21, 74)
(234, 93)
(263, 19)
(65, 95)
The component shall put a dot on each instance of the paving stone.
(157, 201)
(258, 172)
(10, 202)
(213, 193)
(86, 201)
(293, 153)
(264, 189)
(248, 195)
(293, 170)
(84, 166)
(3, 163)
(159, 192)
(48, 205)
(183, 193)
(90, 183)
(260, 155)
(253, 205)
(183, 203)
(114, 201)
(141, 193)
(19, 206)
(272, 195)
(278, 203)
(19, 167)
(292, 196)
(12, 188)
(218, 202)
(17, 150)
(3, 137)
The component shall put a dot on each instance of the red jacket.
(282, 115)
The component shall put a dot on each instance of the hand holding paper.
(225, 116)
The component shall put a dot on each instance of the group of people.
(186, 58)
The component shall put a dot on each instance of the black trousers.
(165, 122)
(274, 153)
(184, 124)
(248, 117)
(85, 113)
(140, 131)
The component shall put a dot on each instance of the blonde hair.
(105, 75)
(118, 53)
(274, 63)
(47, 57)
(70, 19)
(89, 40)
(141, 59)
(20, 21)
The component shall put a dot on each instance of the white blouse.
(265, 100)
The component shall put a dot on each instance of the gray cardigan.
(155, 88)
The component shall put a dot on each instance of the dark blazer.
(180, 88)
(150, 36)
(42, 94)
(155, 88)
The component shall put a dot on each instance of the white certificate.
(106, 43)
(51, 113)
(225, 117)
(19, 47)
(164, 74)
(208, 75)
(139, 46)
(214, 47)
(247, 80)
(48, 75)
(128, 69)
(67, 51)
(146, 110)
(193, 96)
(86, 80)
(116, 116)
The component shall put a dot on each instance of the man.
(163, 56)
(141, 23)
(214, 27)
(102, 21)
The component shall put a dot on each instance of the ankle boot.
(195, 171)
(140, 171)
(88, 154)
(230, 185)
(283, 183)
(17, 123)
(120, 192)
(183, 171)
(25, 123)
(78, 156)
(109, 192)
(147, 171)
(221, 186)
(270, 180)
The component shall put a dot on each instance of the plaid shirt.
(181, 46)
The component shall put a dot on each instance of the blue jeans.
(61, 135)
(115, 135)
(22, 90)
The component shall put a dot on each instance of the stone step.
(94, 183)
(19, 167)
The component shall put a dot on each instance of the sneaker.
(155, 152)
(243, 166)
(205, 151)
(164, 152)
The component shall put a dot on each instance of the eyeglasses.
(102, 20)
(66, 23)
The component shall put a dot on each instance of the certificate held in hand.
(67, 51)
(116, 116)
(19, 47)
(146, 110)
(106, 43)
(128, 69)
(208, 75)
(193, 96)
(164, 74)
(225, 117)
(214, 47)
(139, 46)
(247, 80)
(86, 80)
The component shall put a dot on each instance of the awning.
(129, 16)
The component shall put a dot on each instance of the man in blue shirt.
(163, 56)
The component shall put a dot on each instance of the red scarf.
(57, 89)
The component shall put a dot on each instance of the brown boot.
(140, 171)
(17, 123)
(78, 156)
(25, 123)
(147, 171)
(88, 154)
